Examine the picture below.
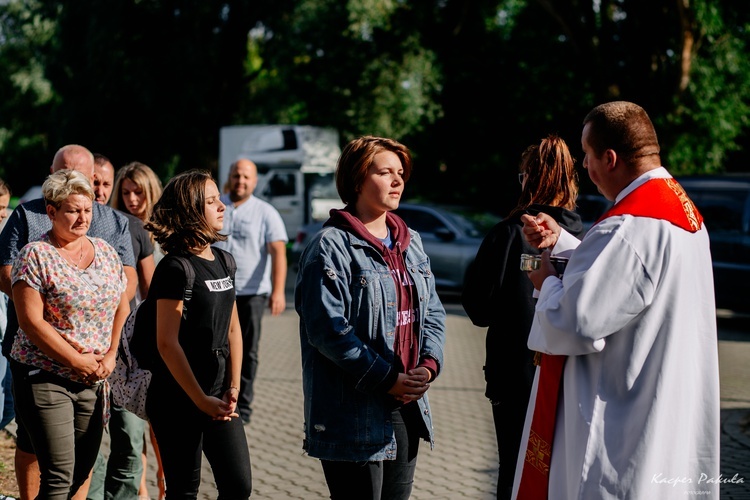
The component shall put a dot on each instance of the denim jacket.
(346, 299)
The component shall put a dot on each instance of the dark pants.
(509, 420)
(119, 476)
(10, 330)
(250, 311)
(184, 434)
(387, 479)
(64, 422)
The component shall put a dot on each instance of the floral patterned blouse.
(79, 303)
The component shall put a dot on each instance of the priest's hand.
(546, 269)
(540, 231)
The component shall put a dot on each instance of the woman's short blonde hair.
(63, 183)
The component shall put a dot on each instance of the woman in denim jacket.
(372, 331)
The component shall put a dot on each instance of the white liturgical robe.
(638, 414)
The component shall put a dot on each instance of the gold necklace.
(80, 256)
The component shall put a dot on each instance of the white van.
(296, 166)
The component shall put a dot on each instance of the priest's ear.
(610, 158)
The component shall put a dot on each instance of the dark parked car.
(724, 202)
(451, 240)
(590, 207)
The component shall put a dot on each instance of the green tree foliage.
(27, 94)
(712, 105)
(358, 66)
(497, 76)
(537, 67)
(150, 81)
(467, 85)
(134, 80)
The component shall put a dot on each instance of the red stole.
(658, 199)
(534, 483)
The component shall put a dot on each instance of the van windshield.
(323, 186)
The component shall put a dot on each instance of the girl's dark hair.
(178, 222)
(551, 178)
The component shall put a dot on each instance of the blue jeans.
(119, 477)
(386, 479)
(6, 393)
(6, 380)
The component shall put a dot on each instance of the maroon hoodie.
(406, 345)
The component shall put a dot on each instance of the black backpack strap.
(228, 260)
(187, 293)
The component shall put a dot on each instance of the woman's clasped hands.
(412, 385)
(91, 367)
(221, 409)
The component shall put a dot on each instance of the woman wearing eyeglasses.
(496, 290)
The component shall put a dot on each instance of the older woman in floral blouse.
(69, 295)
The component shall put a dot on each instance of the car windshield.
(467, 226)
(722, 209)
(591, 207)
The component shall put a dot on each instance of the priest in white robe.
(638, 406)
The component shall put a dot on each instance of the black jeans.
(509, 419)
(250, 311)
(386, 479)
(184, 433)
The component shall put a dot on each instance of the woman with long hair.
(192, 398)
(498, 295)
(137, 189)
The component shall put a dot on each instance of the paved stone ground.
(734, 366)
(463, 463)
